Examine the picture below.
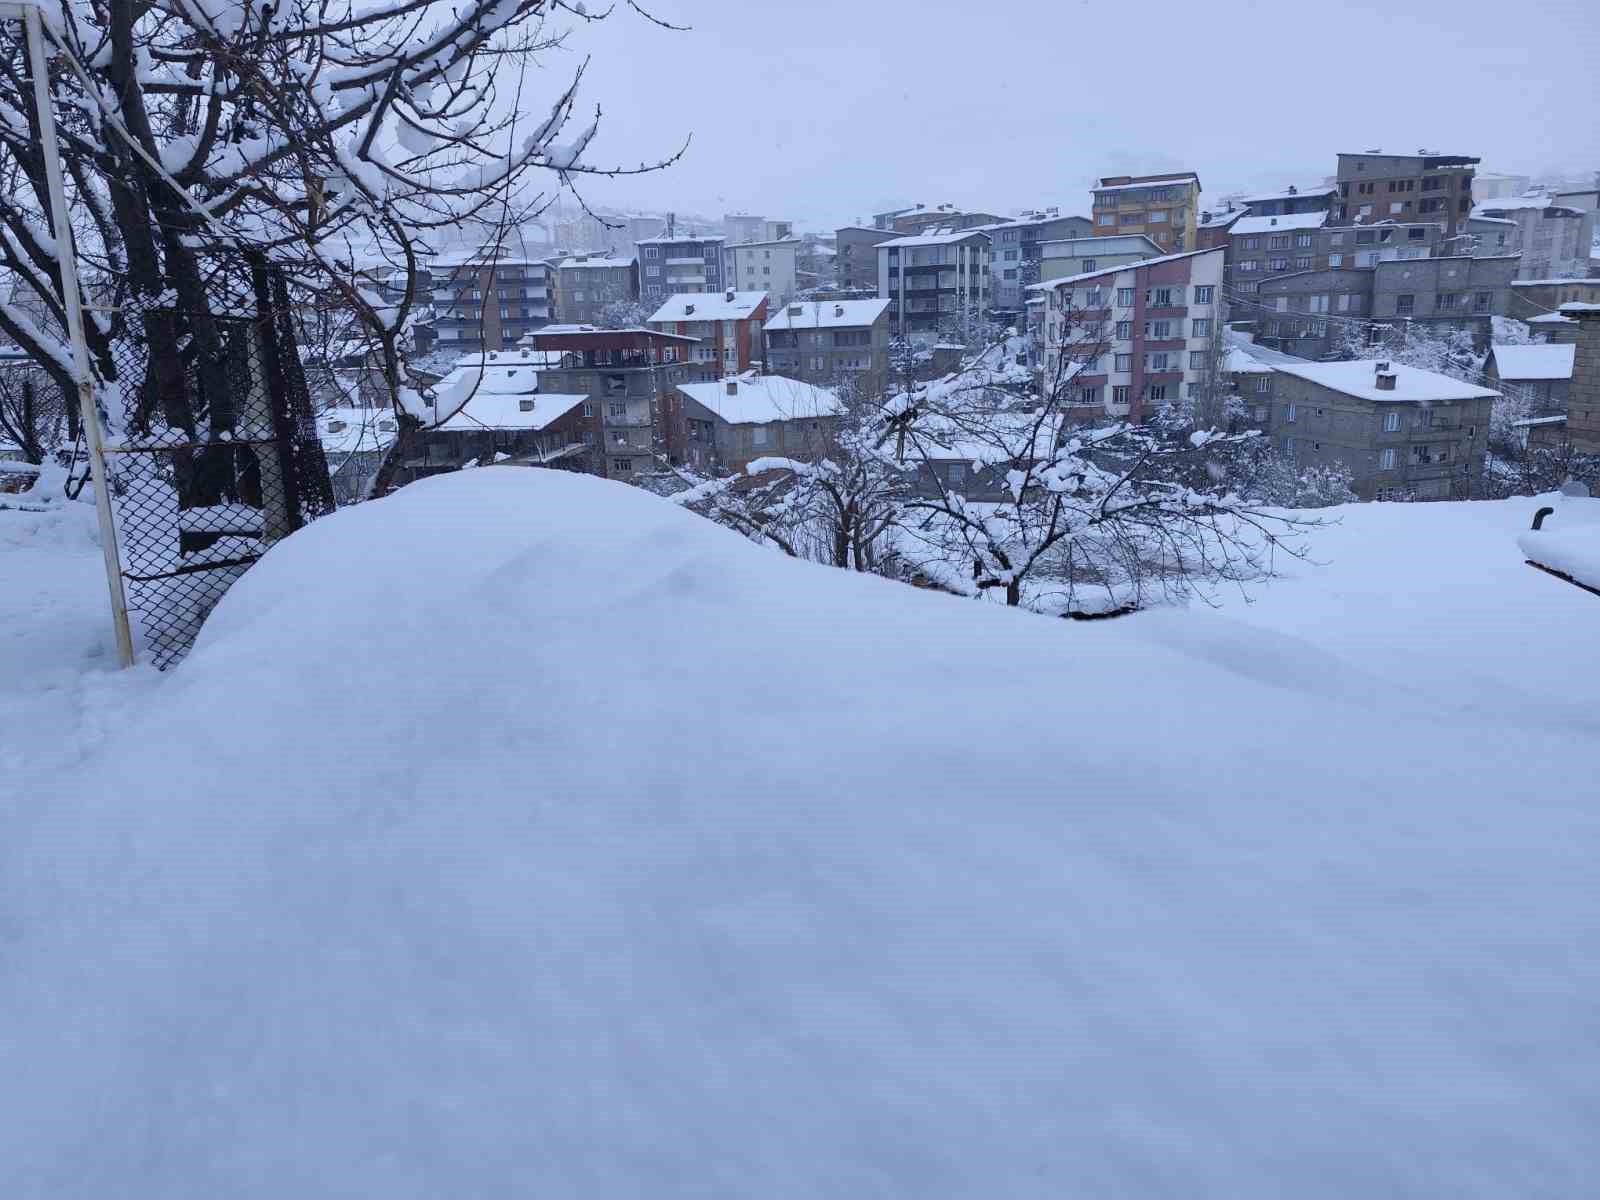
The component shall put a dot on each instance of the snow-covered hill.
(522, 834)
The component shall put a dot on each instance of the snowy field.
(525, 835)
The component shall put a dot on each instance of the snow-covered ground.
(523, 834)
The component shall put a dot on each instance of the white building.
(934, 280)
(762, 266)
(1134, 337)
(1553, 239)
(742, 227)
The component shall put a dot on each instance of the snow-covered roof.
(1530, 421)
(1158, 181)
(709, 306)
(682, 237)
(1294, 195)
(934, 239)
(1534, 362)
(1509, 203)
(357, 430)
(1216, 220)
(828, 314)
(1576, 306)
(1492, 220)
(1360, 379)
(1101, 273)
(1244, 356)
(1595, 283)
(595, 262)
(491, 395)
(1280, 224)
(1554, 318)
(758, 399)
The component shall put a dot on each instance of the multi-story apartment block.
(1553, 239)
(728, 327)
(1162, 207)
(488, 301)
(1583, 398)
(1261, 247)
(1457, 291)
(1134, 337)
(1491, 185)
(742, 227)
(826, 341)
(856, 256)
(1081, 255)
(1404, 433)
(675, 263)
(731, 422)
(586, 283)
(1541, 299)
(922, 219)
(1310, 314)
(1375, 187)
(1016, 252)
(763, 266)
(1214, 228)
(1291, 201)
(628, 377)
(934, 280)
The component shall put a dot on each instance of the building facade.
(586, 283)
(1135, 337)
(856, 257)
(488, 303)
(1083, 255)
(934, 281)
(727, 328)
(1583, 400)
(1291, 201)
(729, 423)
(1532, 299)
(1375, 187)
(1016, 253)
(673, 264)
(1540, 374)
(742, 227)
(922, 219)
(1553, 239)
(764, 266)
(1455, 291)
(826, 341)
(1162, 207)
(1404, 433)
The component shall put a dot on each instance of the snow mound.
(522, 834)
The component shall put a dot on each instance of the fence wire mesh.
(218, 456)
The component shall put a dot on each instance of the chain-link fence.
(219, 456)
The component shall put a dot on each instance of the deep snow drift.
(524, 835)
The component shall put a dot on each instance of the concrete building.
(763, 266)
(1214, 228)
(730, 422)
(1583, 400)
(488, 302)
(727, 327)
(1136, 336)
(1492, 185)
(1532, 299)
(1539, 374)
(676, 263)
(935, 280)
(921, 219)
(826, 341)
(1292, 201)
(1553, 239)
(1252, 369)
(1082, 255)
(1307, 313)
(629, 377)
(1164, 208)
(1404, 433)
(1261, 247)
(1459, 291)
(742, 227)
(1017, 252)
(1424, 186)
(856, 256)
(1492, 235)
(586, 283)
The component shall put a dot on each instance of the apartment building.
(487, 301)
(672, 264)
(1261, 247)
(1404, 433)
(934, 280)
(1213, 229)
(742, 227)
(1291, 201)
(921, 219)
(586, 283)
(1133, 337)
(727, 327)
(770, 266)
(1583, 399)
(1541, 299)
(1375, 187)
(628, 378)
(1457, 291)
(856, 256)
(730, 422)
(826, 341)
(1162, 207)
(1017, 252)
(1082, 255)
(1540, 374)
(1553, 239)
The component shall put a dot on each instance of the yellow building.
(1162, 207)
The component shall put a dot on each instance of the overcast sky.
(824, 112)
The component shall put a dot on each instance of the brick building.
(856, 256)
(825, 341)
(727, 326)
(1424, 186)
(1164, 208)
(487, 301)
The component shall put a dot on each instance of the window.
(1011, 274)
(1288, 445)
(1364, 211)
(652, 271)
(1448, 301)
(1318, 304)
(1416, 233)
(1156, 360)
(1010, 256)
(1290, 413)
(1158, 329)
(1387, 458)
(1431, 204)
(1200, 327)
(1278, 241)
(1124, 362)
(1157, 391)
(1088, 264)
(588, 408)
(1088, 395)
(1124, 297)
(1303, 263)
(1120, 394)
(956, 474)
(622, 465)
(1277, 264)
(1159, 298)
(758, 435)
(1302, 241)
(1197, 360)
(1133, 218)
(1093, 298)
(1124, 330)
(1405, 304)
(1335, 260)
(1261, 413)
(1250, 266)
(1263, 384)
(1481, 301)
(1158, 216)
(1391, 422)
(1202, 293)
(650, 251)
(617, 408)
(1108, 218)
(1281, 303)
(1252, 243)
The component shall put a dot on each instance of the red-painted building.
(727, 326)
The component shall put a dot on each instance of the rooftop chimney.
(838, 310)
(1293, 191)
(1386, 381)
(688, 310)
(795, 310)
(728, 295)
(733, 387)
(1381, 365)
(525, 403)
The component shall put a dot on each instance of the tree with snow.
(624, 314)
